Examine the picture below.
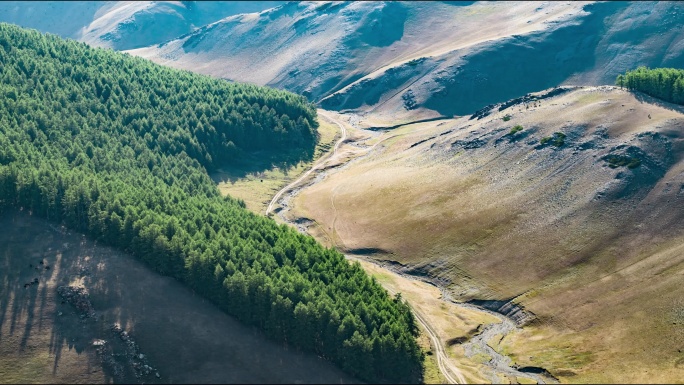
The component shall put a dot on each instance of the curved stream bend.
(498, 364)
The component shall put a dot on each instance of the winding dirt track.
(315, 167)
(452, 374)
(445, 366)
(498, 364)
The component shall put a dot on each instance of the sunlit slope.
(402, 59)
(319, 47)
(594, 251)
(123, 24)
(590, 46)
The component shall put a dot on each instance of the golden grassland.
(599, 264)
(257, 188)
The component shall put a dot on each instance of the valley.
(341, 192)
(349, 207)
(429, 303)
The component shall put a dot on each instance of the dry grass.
(507, 219)
(447, 320)
(257, 188)
(432, 375)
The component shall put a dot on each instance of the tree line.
(663, 83)
(120, 148)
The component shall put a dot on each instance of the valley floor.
(460, 333)
(440, 198)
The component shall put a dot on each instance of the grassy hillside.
(119, 148)
(576, 215)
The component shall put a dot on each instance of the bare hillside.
(412, 59)
(576, 214)
(316, 48)
(122, 24)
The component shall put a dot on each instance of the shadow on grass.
(258, 162)
(181, 335)
(643, 98)
(33, 319)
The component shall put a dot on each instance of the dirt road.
(499, 365)
(450, 372)
(445, 366)
(317, 166)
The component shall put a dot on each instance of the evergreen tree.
(663, 83)
(120, 148)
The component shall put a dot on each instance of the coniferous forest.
(120, 148)
(663, 83)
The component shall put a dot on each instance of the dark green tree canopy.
(663, 83)
(119, 148)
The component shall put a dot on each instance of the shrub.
(515, 129)
(558, 139)
(615, 161)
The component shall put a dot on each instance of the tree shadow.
(37, 258)
(643, 98)
(257, 162)
(181, 335)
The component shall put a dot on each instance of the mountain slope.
(400, 60)
(119, 148)
(123, 24)
(318, 47)
(591, 47)
(577, 216)
(411, 59)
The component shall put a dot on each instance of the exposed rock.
(79, 298)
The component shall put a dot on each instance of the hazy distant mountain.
(123, 24)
